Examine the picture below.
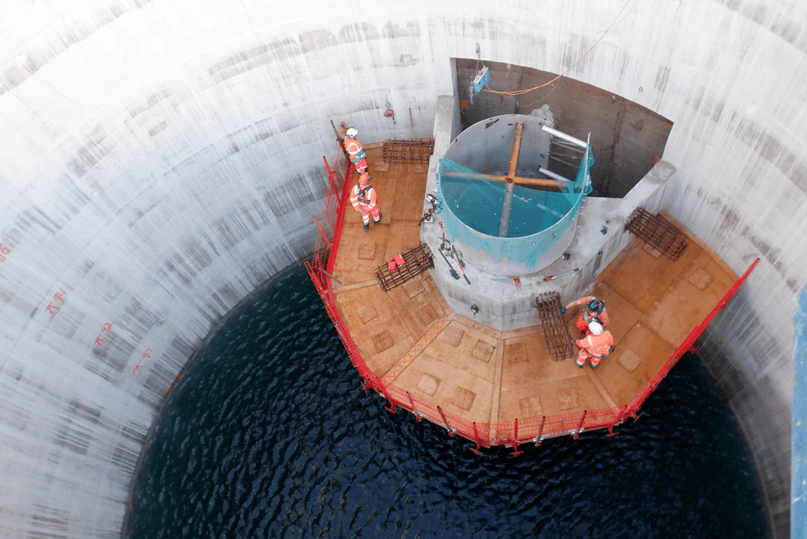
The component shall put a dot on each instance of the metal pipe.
(564, 136)
(554, 176)
(511, 173)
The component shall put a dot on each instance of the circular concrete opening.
(509, 213)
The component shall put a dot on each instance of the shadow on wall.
(628, 139)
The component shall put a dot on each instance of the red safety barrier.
(527, 430)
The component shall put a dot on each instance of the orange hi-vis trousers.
(366, 211)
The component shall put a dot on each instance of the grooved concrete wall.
(160, 159)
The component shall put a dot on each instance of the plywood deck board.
(557, 397)
(539, 365)
(410, 194)
(412, 380)
(350, 268)
(488, 376)
(403, 236)
(369, 313)
(684, 305)
(381, 362)
(476, 326)
(461, 357)
(419, 312)
(623, 385)
(642, 289)
(622, 314)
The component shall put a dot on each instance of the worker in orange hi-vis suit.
(355, 150)
(594, 308)
(595, 346)
(364, 200)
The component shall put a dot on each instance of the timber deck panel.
(410, 337)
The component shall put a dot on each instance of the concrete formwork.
(162, 159)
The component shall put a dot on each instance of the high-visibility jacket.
(354, 149)
(365, 197)
(586, 316)
(597, 345)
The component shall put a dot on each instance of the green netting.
(474, 205)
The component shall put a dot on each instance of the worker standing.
(365, 201)
(595, 346)
(355, 150)
(594, 308)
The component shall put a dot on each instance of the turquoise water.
(269, 434)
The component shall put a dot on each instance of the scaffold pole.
(515, 452)
(445, 420)
(580, 425)
(476, 439)
(540, 432)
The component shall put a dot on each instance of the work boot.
(380, 215)
(367, 227)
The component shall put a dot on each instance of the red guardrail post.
(515, 452)
(621, 412)
(412, 404)
(476, 439)
(445, 420)
(580, 425)
(540, 432)
(392, 403)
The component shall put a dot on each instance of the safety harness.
(364, 199)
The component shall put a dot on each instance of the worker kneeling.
(365, 201)
(596, 345)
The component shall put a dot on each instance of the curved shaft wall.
(161, 159)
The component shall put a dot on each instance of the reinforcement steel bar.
(658, 232)
(417, 261)
(558, 341)
(407, 150)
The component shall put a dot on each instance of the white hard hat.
(351, 132)
(595, 327)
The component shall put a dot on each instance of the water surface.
(269, 434)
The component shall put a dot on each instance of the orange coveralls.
(356, 152)
(595, 347)
(365, 201)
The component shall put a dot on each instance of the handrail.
(533, 429)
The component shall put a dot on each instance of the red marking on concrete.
(51, 308)
(98, 340)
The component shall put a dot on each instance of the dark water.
(269, 434)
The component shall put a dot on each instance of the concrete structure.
(161, 159)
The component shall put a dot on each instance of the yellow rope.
(613, 24)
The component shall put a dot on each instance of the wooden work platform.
(410, 338)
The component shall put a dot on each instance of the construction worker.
(365, 201)
(355, 150)
(595, 346)
(594, 308)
